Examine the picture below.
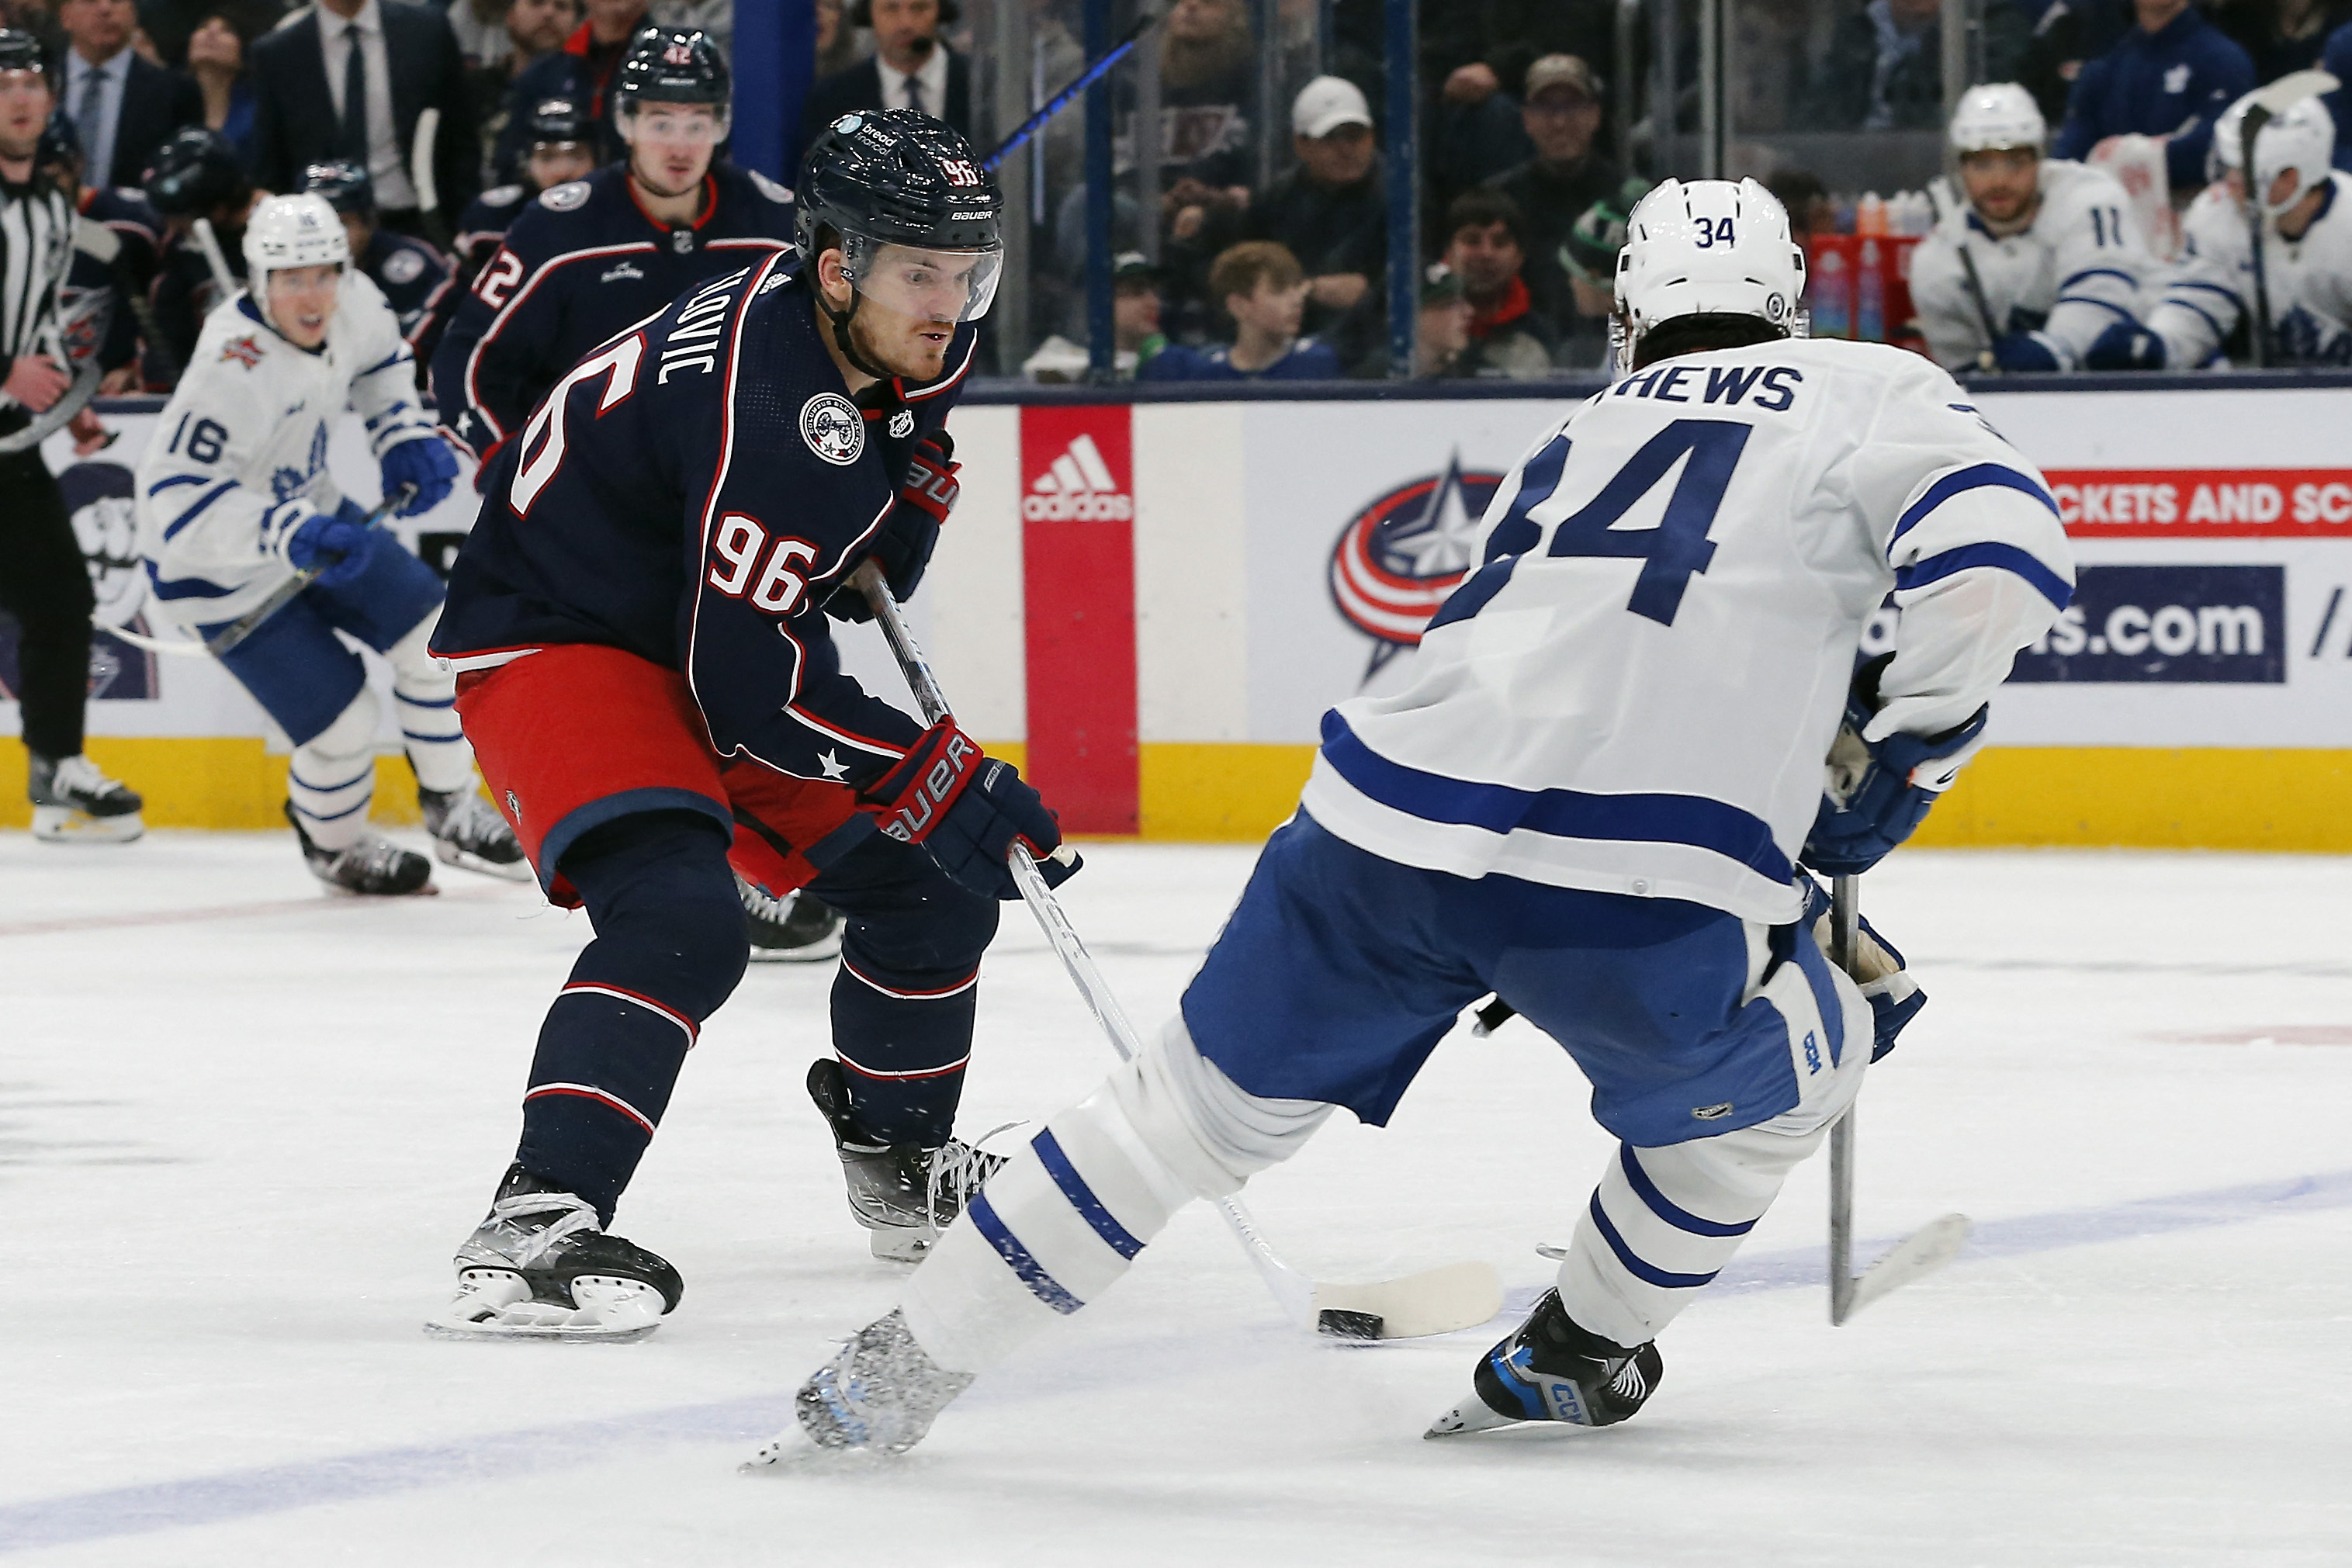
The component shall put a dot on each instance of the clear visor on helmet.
(703, 123)
(929, 285)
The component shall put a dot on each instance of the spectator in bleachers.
(2281, 35)
(1441, 332)
(911, 67)
(1135, 314)
(1486, 248)
(348, 80)
(1563, 180)
(2168, 77)
(2065, 35)
(1332, 214)
(582, 71)
(1884, 69)
(1471, 134)
(2335, 58)
(215, 53)
(122, 106)
(169, 24)
(500, 39)
(1264, 289)
(837, 41)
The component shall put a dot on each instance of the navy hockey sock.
(669, 949)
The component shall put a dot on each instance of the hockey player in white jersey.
(2032, 258)
(2209, 302)
(235, 498)
(1590, 798)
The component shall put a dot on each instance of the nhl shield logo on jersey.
(1398, 559)
(902, 425)
(834, 428)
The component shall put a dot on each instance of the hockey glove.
(1894, 997)
(423, 461)
(2028, 351)
(1881, 791)
(911, 531)
(2126, 346)
(966, 809)
(338, 547)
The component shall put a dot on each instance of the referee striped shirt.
(36, 249)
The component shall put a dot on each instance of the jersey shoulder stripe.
(1974, 477)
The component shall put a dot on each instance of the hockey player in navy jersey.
(1590, 797)
(560, 140)
(410, 275)
(588, 258)
(641, 615)
(115, 249)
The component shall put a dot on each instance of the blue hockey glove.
(338, 547)
(966, 807)
(2027, 351)
(912, 531)
(1885, 788)
(1878, 968)
(2126, 346)
(425, 462)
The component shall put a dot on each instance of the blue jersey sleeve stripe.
(1082, 1197)
(1666, 1209)
(1647, 1272)
(159, 486)
(2229, 293)
(1692, 820)
(1016, 1257)
(2102, 304)
(190, 516)
(2005, 558)
(2220, 333)
(2128, 279)
(185, 587)
(1982, 477)
(388, 360)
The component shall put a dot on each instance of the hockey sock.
(332, 778)
(425, 701)
(669, 949)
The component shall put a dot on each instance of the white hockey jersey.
(239, 456)
(2073, 272)
(1636, 692)
(2308, 280)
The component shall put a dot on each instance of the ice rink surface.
(242, 1126)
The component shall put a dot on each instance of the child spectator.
(1486, 246)
(1264, 289)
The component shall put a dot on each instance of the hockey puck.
(1337, 1324)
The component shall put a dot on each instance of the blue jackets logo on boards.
(1399, 557)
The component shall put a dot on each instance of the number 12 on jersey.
(1671, 553)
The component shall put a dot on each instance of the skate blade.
(64, 825)
(494, 1303)
(1471, 1415)
(560, 1334)
(466, 860)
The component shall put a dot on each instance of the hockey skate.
(539, 1267)
(904, 1194)
(74, 803)
(880, 1392)
(1552, 1370)
(468, 834)
(797, 929)
(371, 868)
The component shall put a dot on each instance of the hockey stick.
(58, 414)
(1976, 288)
(224, 280)
(220, 642)
(1457, 1296)
(1923, 1252)
(428, 185)
(1069, 95)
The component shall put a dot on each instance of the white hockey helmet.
(287, 232)
(1996, 115)
(1707, 248)
(2302, 140)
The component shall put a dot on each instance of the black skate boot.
(468, 833)
(74, 803)
(881, 1392)
(1552, 1370)
(539, 1267)
(794, 929)
(904, 1194)
(372, 868)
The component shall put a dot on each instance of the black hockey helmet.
(673, 65)
(896, 177)
(193, 171)
(61, 145)
(554, 119)
(345, 183)
(20, 51)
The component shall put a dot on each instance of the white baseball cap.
(1326, 104)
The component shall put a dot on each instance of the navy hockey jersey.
(411, 275)
(184, 294)
(582, 262)
(482, 226)
(90, 304)
(692, 493)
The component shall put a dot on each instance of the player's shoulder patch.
(403, 265)
(834, 428)
(245, 351)
(504, 196)
(565, 197)
(769, 188)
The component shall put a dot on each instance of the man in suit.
(122, 106)
(348, 80)
(911, 69)
(582, 71)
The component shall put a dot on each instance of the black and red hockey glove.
(912, 531)
(966, 807)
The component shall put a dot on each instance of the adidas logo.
(1078, 488)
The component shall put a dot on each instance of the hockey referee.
(43, 582)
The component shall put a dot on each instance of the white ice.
(242, 1126)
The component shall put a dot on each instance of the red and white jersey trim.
(589, 1092)
(952, 1067)
(967, 983)
(590, 987)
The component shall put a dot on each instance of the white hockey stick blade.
(182, 647)
(1442, 1300)
(1913, 1257)
(2291, 89)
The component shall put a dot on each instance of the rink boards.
(1152, 604)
